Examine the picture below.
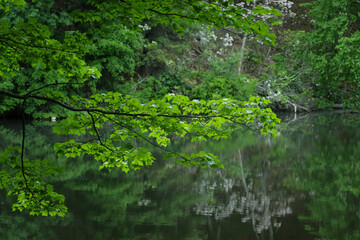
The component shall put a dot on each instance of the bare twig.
(23, 145)
(98, 135)
(145, 139)
(7, 40)
(50, 85)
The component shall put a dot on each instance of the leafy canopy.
(129, 124)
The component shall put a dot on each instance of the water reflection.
(330, 174)
(252, 187)
(302, 185)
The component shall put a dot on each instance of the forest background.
(313, 64)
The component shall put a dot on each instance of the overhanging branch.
(8, 40)
(75, 109)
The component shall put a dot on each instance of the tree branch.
(23, 146)
(7, 40)
(98, 135)
(145, 139)
(174, 14)
(50, 85)
(75, 109)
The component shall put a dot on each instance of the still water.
(305, 185)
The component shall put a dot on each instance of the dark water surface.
(303, 185)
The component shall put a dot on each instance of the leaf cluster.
(32, 192)
(153, 122)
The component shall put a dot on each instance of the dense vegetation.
(131, 71)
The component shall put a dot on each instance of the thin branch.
(168, 14)
(145, 139)
(23, 145)
(297, 106)
(74, 109)
(50, 85)
(241, 124)
(174, 14)
(34, 46)
(93, 110)
(97, 133)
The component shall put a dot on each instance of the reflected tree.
(330, 173)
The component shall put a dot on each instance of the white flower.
(144, 27)
(228, 40)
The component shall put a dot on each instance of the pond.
(305, 184)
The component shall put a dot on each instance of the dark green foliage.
(222, 80)
(331, 50)
(158, 86)
(55, 17)
(33, 57)
(115, 52)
